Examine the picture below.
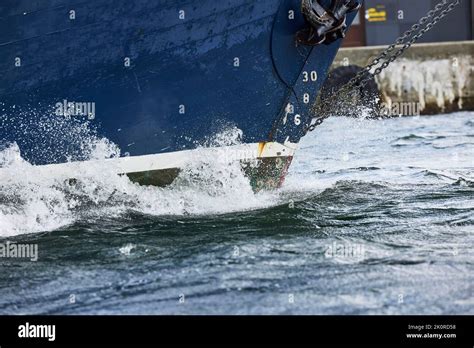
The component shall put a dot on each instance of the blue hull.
(163, 75)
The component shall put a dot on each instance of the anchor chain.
(383, 60)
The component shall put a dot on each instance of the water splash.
(50, 138)
(31, 201)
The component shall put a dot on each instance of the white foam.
(127, 249)
(31, 202)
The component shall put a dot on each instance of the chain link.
(383, 60)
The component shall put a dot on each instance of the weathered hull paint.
(160, 82)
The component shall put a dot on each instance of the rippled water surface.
(375, 217)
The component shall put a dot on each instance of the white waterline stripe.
(169, 160)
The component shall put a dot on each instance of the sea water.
(375, 217)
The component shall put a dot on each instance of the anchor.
(326, 25)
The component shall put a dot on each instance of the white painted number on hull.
(310, 76)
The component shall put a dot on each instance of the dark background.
(457, 26)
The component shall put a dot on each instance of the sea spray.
(212, 183)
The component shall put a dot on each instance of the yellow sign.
(376, 14)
